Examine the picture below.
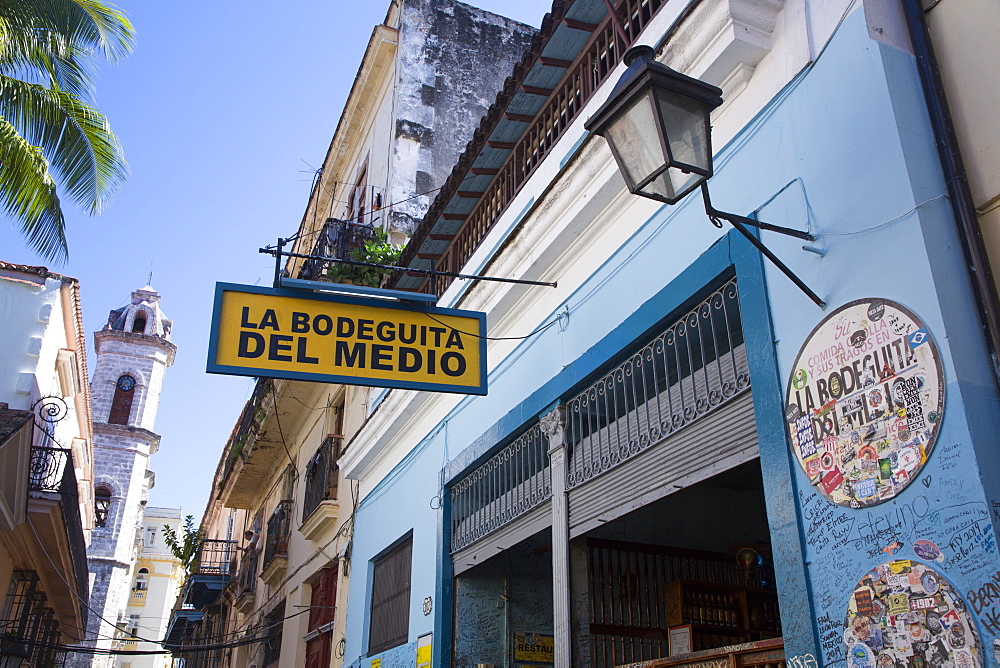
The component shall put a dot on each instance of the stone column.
(554, 426)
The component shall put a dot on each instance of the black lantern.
(657, 124)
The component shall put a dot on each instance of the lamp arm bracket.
(743, 220)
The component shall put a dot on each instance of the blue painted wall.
(846, 148)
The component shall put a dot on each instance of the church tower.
(133, 351)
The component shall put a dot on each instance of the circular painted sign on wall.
(905, 614)
(864, 402)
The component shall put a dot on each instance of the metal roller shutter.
(719, 441)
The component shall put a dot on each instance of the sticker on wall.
(903, 614)
(864, 402)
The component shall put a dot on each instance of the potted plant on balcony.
(377, 250)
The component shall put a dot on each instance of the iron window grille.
(689, 369)
(508, 485)
(390, 611)
(27, 624)
(681, 373)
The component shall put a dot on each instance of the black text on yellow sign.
(276, 333)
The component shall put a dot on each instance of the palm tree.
(52, 137)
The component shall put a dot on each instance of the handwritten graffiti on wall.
(985, 602)
(802, 661)
(831, 639)
(903, 609)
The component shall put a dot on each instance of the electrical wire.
(487, 338)
(71, 588)
(277, 419)
(883, 224)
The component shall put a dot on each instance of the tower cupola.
(142, 316)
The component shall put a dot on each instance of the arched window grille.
(142, 579)
(102, 504)
(121, 404)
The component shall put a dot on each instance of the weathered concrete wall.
(453, 59)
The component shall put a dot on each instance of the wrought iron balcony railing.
(47, 468)
(336, 239)
(215, 557)
(321, 476)
(507, 486)
(51, 471)
(247, 577)
(279, 526)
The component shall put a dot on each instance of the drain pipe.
(977, 260)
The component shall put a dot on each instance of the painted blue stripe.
(574, 149)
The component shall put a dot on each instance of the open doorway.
(694, 567)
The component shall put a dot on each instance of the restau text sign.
(321, 337)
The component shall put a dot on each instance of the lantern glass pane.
(659, 188)
(681, 182)
(634, 137)
(686, 127)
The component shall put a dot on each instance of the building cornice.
(131, 338)
(148, 437)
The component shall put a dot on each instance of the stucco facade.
(46, 464)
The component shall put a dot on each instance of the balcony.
(279, 528)
(319, 508)
(336, 239)
(181, 627)
(212, 570)
(759, 654)
(245, 583)
(52, 485)
(256, 449)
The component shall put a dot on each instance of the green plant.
(184, 547)
(374, 251)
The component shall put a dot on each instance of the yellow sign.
(302, 335)
(376, 663)
(424, 656)
(534, 647)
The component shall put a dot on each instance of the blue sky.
(224, 110)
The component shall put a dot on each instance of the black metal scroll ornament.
(49, 410)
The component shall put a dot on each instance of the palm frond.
(88, 23)
(75, 137)
(47, 60)
(29, 194)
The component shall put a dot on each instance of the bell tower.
(133, 351)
